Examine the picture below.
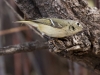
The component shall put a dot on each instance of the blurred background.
(39, 62)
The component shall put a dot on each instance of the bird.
(55, 27)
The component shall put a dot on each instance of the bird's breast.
(52, 32)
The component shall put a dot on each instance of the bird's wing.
(54, 22)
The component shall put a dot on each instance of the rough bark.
(26, 47)
(83, 47)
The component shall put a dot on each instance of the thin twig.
(13, 30)
(20, 17)
(13, 10)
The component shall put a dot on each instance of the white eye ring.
(78, 23)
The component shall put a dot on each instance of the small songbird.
(54, 27)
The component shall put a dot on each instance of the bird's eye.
(78, 23)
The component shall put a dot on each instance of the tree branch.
(84, 46)
(26, 47)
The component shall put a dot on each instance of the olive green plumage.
(54, 27)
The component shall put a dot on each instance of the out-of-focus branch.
(13, 10)
(26, 47)
(18, 16)
(13, 30)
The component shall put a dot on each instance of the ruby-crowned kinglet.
(54, 27)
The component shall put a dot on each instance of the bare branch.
(13, 30)
(13, 10)
(26, 47)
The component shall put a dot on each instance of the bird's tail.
(29, 23)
